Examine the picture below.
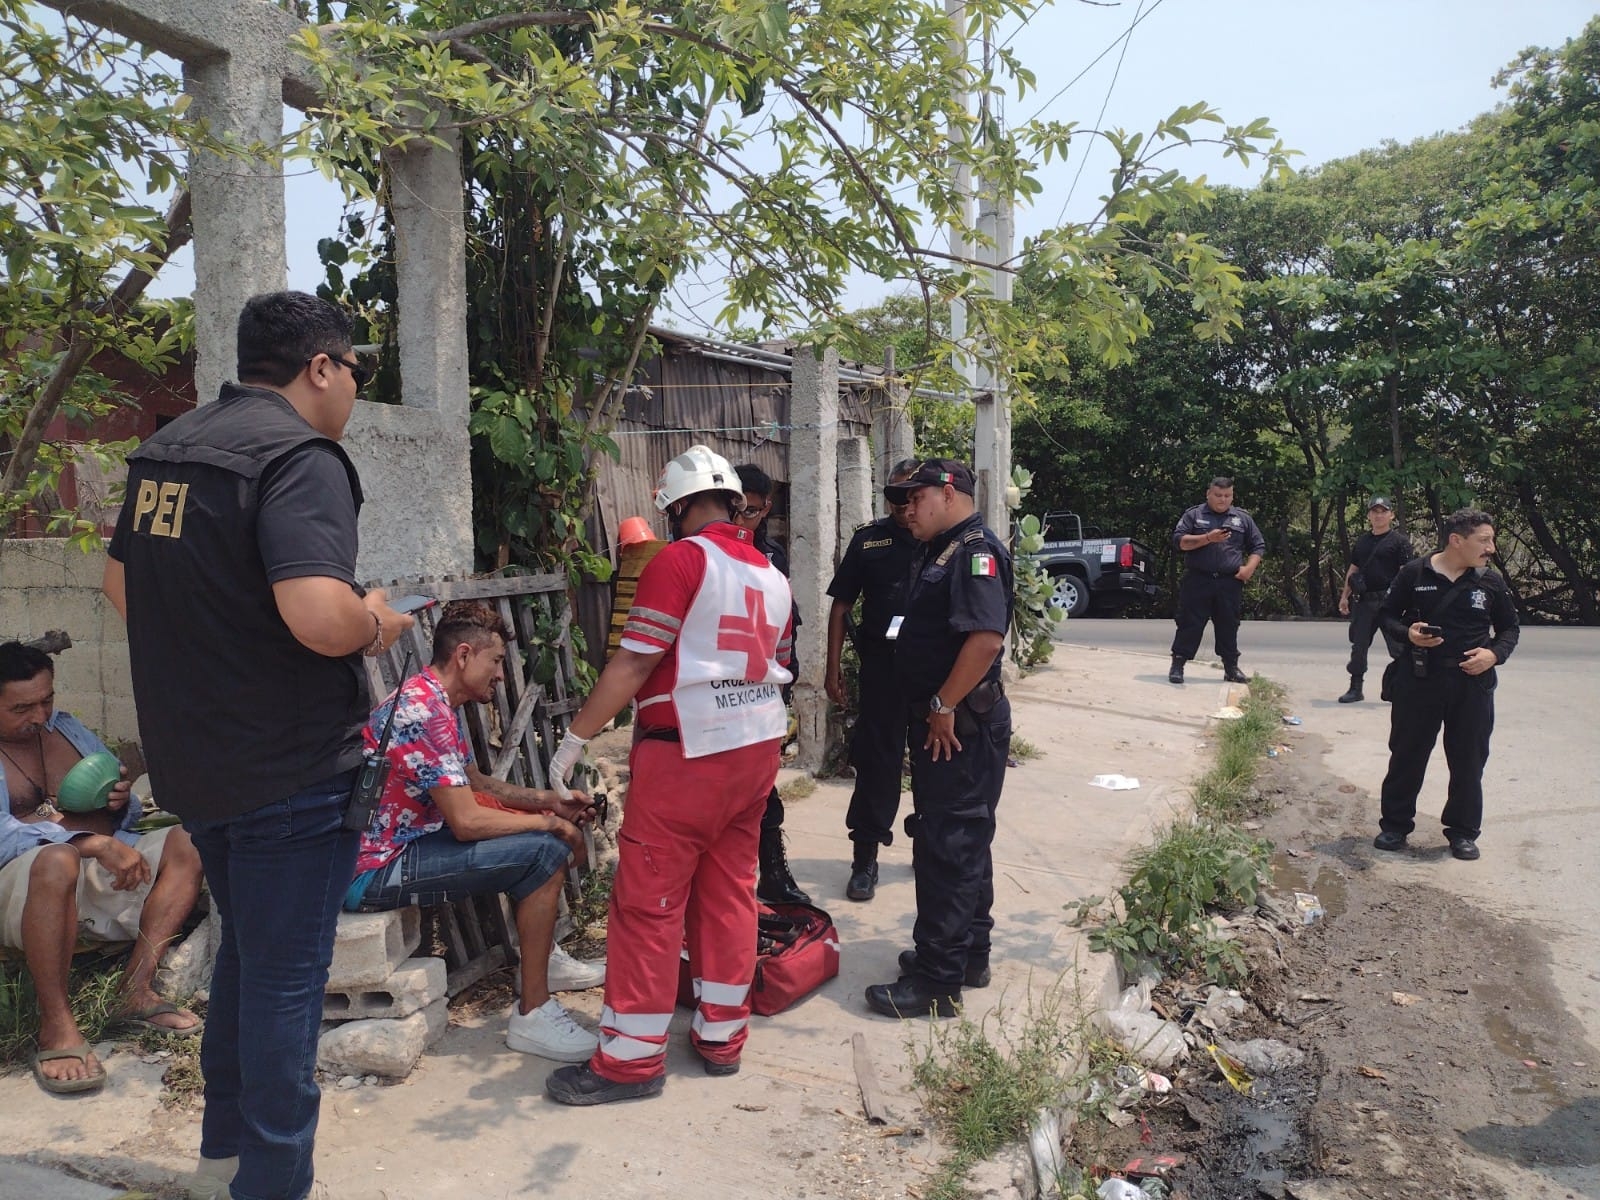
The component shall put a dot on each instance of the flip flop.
(67, 1087)
(143, 1020)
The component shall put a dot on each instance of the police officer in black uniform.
(875, 567)
(775, 882)
(1375, 560)
(1460, 623)
(1221, 550)
(948, 650)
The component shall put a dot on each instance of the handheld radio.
(374, 773)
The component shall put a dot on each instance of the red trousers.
(685, 871)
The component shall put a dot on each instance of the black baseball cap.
(932, 472)
(1379, 502)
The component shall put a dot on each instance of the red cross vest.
(729, 687)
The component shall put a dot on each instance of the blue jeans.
(277, 876)
(436, 868)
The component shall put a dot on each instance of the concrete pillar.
(239, 248)
(431, 276)
(992, 441)
(813, 534)
(855, 490)
(893, 437)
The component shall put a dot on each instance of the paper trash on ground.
(1116, 783)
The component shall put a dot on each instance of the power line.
(1083, 159)
(1122, 37)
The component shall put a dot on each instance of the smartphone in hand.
(411, 604)
(1432, 631)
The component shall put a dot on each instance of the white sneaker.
(550, 1032)
(567, 974)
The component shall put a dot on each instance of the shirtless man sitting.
(69, 875)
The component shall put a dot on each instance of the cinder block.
(32, 563)
(437, 1015)
(370, 946)
(84, 570)
(387, 1048)
(13, 612)
(78, 674)
(116, 673)
(119, 721)
(417, 983)
(78, 611)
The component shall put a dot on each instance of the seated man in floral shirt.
(444, 830)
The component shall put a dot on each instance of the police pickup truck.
(1106, 572)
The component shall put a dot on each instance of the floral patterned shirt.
(428, 749)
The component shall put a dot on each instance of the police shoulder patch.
(973, 535)
(984, 565)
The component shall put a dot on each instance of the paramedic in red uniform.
(703, 655)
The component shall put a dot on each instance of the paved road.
(1542, 802)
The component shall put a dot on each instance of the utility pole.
(996, 225)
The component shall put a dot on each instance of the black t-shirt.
(960, 584)
(1484, 616)
(234, 712)
(1224, 557)
(1379, 559)
(875, 567)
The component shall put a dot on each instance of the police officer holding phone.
(1221, 550)
(1458, 619)
(948, 646)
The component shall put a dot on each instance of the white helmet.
(697, 469)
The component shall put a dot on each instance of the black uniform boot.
(863, 872)
(1354, 694)
(1231, 672)
(775, 883)
(1175, 675)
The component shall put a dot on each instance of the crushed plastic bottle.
(1293, 721)
(1309, 908)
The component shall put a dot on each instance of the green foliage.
(1195, 868)
(1416, 320)
(1033, 619)
(983, 1086)
(93, 144)
(1198, 865)
(92, 993)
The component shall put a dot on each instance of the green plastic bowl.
(88, 785)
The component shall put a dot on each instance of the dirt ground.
(1441, 1063)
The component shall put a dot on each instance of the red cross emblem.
(751, 634)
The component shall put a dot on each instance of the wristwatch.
(937, 705)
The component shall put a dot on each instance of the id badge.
(894, 628)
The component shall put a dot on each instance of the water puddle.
(1259, 1141)
(1323, 880)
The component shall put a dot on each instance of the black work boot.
(863, 883)
(1231, 672)
(977, 971)
(776, 884)
(1354, 694)
(1175, 675)
(914, 996)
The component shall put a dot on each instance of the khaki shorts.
(104, 914)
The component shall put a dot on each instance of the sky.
(1333, 78)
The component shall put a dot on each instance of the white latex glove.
(563, 760)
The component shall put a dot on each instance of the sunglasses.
(360, 373)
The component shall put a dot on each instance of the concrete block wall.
(47, 584)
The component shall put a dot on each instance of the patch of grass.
(1196, 866)
(798, 788)
(184, 1084)
(1022, 749)
(594, 900)
(1225, 792)
(92, 991)
(983, 1090)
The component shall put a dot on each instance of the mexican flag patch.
(984, 564)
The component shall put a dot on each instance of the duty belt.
(1214, 574)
